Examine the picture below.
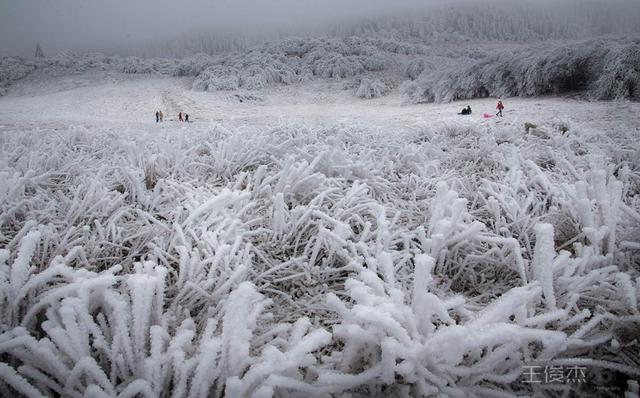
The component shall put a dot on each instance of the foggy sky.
(109, 24)
(113, 25)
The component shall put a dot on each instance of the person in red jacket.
(180, 116)
(499, 107)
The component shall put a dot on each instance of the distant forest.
(499, 21)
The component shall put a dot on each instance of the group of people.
(499, 107)
(183, 117)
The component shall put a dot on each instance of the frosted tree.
(39, 53)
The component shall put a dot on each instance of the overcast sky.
(102, 24)
(110, 25)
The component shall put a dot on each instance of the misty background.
(177, 28)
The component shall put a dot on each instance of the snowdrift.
(294, 261)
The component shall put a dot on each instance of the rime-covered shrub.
(217, 78)
(295, 47)
(418, 92)
(136, 65)
(415, 67)
(254, 70)
(13, 69)
(95, 61)
(333, 58)
(601, 69)
(191, 66)
(61, 59)
(331, 45)
(373, 63)
(333, 64)
(259, 76)
(620, 76)
(398, 47)
(371, 88)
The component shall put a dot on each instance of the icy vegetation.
(607, 68)
(369, 88)
(296, 261)
(291, 61)
(283, 63)
(603, 69)
(13, 69)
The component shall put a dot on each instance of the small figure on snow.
(499, 107)
(466, 111)
(161, 116)
(180, 116)
(157, 116)
(186, 117)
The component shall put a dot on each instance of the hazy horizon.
(120, 26)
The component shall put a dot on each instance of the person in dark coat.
(186, 117)
(466, 111)
(157, 116)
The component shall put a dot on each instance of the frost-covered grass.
(314, 261)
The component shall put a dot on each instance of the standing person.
(499, 107)
(186, 117)
(157, 116)
(180, 116)
(161, 116)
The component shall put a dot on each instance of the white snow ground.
(133, 100)
(310, 243)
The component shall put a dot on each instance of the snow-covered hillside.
(305, 242)
(604, 68)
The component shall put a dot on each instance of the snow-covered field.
(131, 100)
(304, 242)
